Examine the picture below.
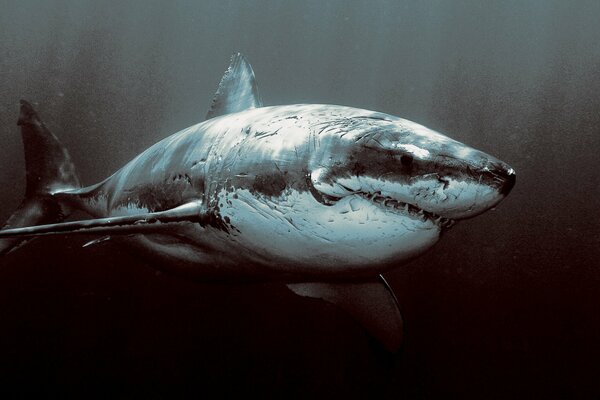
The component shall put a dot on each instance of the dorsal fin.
(237, 90)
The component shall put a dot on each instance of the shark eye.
(406, 160)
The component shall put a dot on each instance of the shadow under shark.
(323, 198)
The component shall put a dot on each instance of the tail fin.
(48, 169)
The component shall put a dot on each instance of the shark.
(323, 198)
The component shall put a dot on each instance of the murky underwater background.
(507, 305)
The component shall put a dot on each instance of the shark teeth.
(415, 211)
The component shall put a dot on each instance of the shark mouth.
(407, 208)
(394, 205)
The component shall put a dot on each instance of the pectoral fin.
(130, 224)
(371, 303)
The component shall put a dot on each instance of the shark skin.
(302, 194)
(301, 191)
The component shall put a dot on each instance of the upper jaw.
(432, 199)
(408, 209)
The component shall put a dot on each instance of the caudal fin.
(48, 169)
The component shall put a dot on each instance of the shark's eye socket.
(406, 160)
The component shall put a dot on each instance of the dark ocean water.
(507, 305)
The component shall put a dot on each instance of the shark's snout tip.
(510, 178)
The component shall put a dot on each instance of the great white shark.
(324, 198)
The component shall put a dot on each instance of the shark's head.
(423, 180)
(373, 189)
(405, 166)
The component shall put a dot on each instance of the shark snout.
(503, 176)
(472, 187)
(510, 178)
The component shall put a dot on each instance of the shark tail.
(49, 170)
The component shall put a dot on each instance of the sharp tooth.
(406, 207)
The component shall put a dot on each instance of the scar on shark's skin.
(323, 198)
